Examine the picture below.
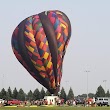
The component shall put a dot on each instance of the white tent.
(52, 100)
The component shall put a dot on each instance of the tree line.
(39, 94)
(32, 95)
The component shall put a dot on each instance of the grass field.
(55, 108)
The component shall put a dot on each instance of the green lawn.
(55, 108)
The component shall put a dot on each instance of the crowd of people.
(58, 102)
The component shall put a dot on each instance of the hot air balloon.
(39, 43)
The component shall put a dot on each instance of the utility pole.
(87, 71)
(3, 81)
(105, 84)
(67, 85)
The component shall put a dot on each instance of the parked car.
(14, 102)
(2, 101)
(80, 100)
(100, 101)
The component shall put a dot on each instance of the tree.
(3, 94)
(0, 95)
(91, 95)
(83, 95)
(15, 93)
(21, 95)
(70, 94)
(100, 92)
(36, 94)
(30, 96)
(42, 93)
(63, 94)
(47, 93)
(107, 94)
(9, 94)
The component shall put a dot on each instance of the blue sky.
(88, 48)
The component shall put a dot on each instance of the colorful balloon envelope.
(39, 43)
